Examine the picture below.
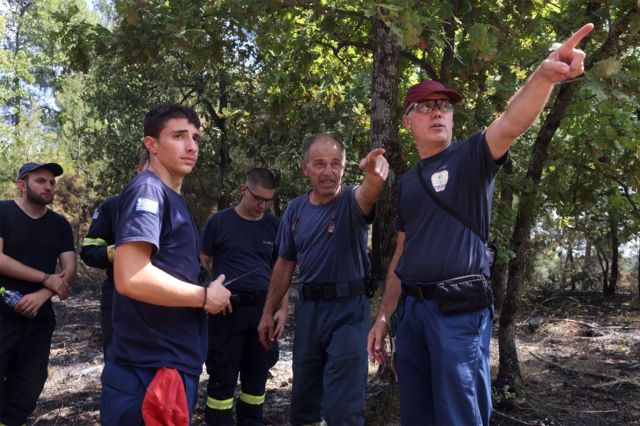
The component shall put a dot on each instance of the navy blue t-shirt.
(33, 242)
(152, 336)
(238, 246)
(437, 246)
(328, 241)
(100, 235)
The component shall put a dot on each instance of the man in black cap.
(33, 239)
(437, 276)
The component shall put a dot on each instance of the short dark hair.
(263, 177)
(310, 140)
(143, 160)
(156, 118)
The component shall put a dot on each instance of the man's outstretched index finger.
(575, 38)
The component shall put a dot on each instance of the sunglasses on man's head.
(427, 106)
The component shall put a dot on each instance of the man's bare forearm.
(279, 284)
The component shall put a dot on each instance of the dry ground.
(579, 356)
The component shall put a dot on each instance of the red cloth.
(420, 92)
(165, 403)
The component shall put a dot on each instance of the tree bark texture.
(225, 159)
(509, 370)
(615, 246)
(448, 54)
(384, 133)
(501, 269)
(604, 266)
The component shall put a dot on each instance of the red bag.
(165, 402)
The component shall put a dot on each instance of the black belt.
(248, 298)
(420, 292)
(332, 291)
(428, 291)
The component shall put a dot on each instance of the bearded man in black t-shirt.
(33, 239)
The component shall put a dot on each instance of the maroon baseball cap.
(419, 92)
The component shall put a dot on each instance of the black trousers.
(106, 320)
(25, 344)
(234, 348)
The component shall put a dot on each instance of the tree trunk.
(615, 246)
(604, 267)
(509, 372)
(499, 276)
(17, 99)
(588, 267)
(384, 133)
(225, 159)
(567, 269)
(448, 54)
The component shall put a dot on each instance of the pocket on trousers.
(123, 380)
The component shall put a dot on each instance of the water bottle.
(10, 297)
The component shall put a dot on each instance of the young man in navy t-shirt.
(241, 243)
(443, 357)
(159, 310)
(324, 233)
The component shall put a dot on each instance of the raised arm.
(376, 169)
(524, 107)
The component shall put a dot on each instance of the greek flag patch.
(147, 205)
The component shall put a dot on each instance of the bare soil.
(579, 356)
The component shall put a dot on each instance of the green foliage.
(263, 74)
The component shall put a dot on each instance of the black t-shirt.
(239, 246)
(33, 242)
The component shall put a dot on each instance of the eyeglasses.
(259, 200)
(427, 106)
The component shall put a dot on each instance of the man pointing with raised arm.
(324, 233)
(437, 273)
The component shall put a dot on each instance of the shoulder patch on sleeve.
(147, 205)
(96, 214)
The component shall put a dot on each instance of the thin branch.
(421, 63)
(627, 194)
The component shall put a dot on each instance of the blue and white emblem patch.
(147, 205)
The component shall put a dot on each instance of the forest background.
(76, 79)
